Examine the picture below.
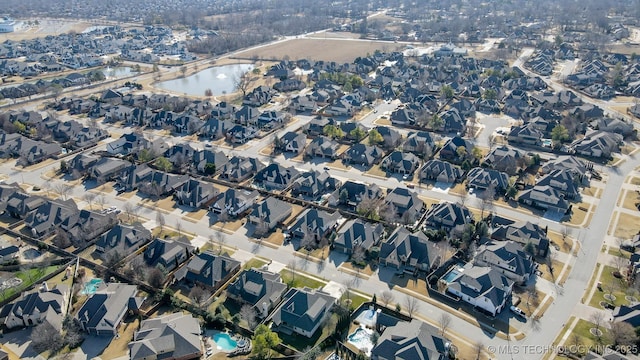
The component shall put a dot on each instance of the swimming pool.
(91, 286)
(361, 339)
(224, 342)
(451, 275)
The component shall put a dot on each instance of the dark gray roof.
(303, 308)
(172, 336)
(411, 341)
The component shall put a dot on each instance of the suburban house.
(292, 142)
(207, 270)
(410, 251)
(361, 154)
(407, 205)
(526, 134)
(563, 181)
(303, 311)
(45, 218)
(358, 233)
(171, 336)
(323, 147)
(448, 215)
(128, 144)
(351, 193)
(123, 238)
(420, 143)
(107, 169)
(316, 223)
(400, 162)
(545, 197)
(234, 202)
(261, 289)
(276, 176)
(598, 144)
(167, 253)
(238, 168)
(269, 212)
(524, 233)
(411, 340)
(568, 163)
(391, 137)
(629, 314)
(46, 305)
(440, 171)
(483, 179)
(204, 159)
(450, 152)
(482, 287)
(215, 128)
(103, 311)
(314, 183)
(508, 258)
(9, 253)
(196, 194)
(505, 159)
(19, 204)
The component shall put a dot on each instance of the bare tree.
(248, 313)
(620, 263)
(89, 197)
(243, 82)
(487, 199)
(293, 267)
(478, 347)
(565, 233)
(444, 322)
(45, 337)
(179, 227)
(199, 295)
(221, 239)
(412, 305)
(62, 189)
(386, 297)
(129, 210)
(160, 221)
(100, 200)
(155, 278)
(622, 333)
(597, 318)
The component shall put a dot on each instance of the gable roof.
(356, 232)
(483, 281)
(256, 287)
(108, 305)
(303, 308)
(207, 269)
(169, 336)
(411, 341)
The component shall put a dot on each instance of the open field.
(320, 49)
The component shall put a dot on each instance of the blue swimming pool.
(91, 286)
(224, 342)
(451, 275)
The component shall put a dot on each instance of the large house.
(270, 212)
(357, 233)
(524, 233)
(171, 336)
(234, 202)
(208, 270)
(448, 215)
(261, 289)
(410, 251)
(440, 171)
(102, 312)
(167, 253)
(315, 223)
(482, 287)
(507, 257)
(303, 311)
(314, 183)
(409, 341)
(47, 305)
(407, 205)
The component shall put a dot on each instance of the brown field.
(627, 226)
(320, 49)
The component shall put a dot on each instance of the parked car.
(516, 310)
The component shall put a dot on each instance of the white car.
(517, 311)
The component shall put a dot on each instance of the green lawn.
(28, 277)
(356, 300)
(581, 337)
(607, 278)
(298, 280)
(255, 263)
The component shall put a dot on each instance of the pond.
(220, 79)
(117, 72)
